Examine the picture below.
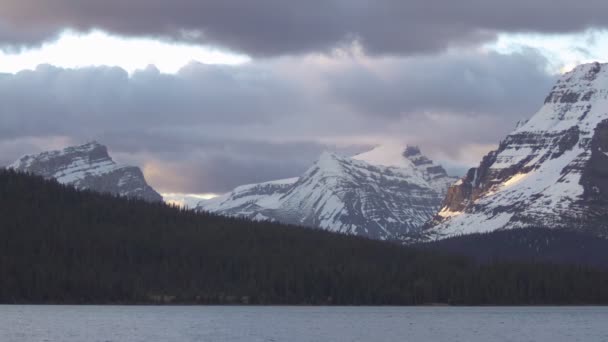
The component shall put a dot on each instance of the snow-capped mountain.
(89, 166)
(552, 171)
(348, 195)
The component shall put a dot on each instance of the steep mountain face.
(89, 167)
(346, 195)
(552, 171)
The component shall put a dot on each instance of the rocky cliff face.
(89, 167)
(347, 195)
(552, 171)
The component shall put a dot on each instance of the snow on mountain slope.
(409, 158)
(552, 171)
(88, 167)
(343, 195)
(250, 200)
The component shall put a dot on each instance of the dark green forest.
(528, 245)
(60, 245)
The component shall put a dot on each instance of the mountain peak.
(394, 155)
(578, 100)
(389, 155)
(411, 151)
(88, 166)
(328, 155)
(581, 84)
(550, 172)
(91, 145)
(329, 161)
(91, 151)
(588, 71)
(92, 148)
(409, 157)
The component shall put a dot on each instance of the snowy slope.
(410, 158)
(552, 171)
(345, 195)
(88, 167)
(250, 200)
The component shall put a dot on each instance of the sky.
(208, 95)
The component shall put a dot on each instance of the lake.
(24, 323)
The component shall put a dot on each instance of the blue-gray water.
(299, 324)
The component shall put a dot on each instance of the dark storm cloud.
(208, 171)
(216, 164)
(210, 128)
(274, 27)
(464, 83)
(13, 38)
(55, 101)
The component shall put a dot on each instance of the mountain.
(552, 171)
(361, 196)
(90, 167)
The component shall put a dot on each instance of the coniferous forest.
(60, 245)
(528, 245)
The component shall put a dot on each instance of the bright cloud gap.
(74, 50)
(563, 51)
(97, 48)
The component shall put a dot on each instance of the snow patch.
(447, 213)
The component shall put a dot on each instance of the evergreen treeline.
(529, 245)
(59, 245)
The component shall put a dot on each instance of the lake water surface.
(23, 323)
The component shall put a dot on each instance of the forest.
(61, 245)
(540, 245)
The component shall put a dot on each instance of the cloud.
(470, 83)
(210, 128)
(278, 27)
(52, 100)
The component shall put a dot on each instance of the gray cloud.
(210, 128)
(464, 83)
(208, 171)
(277, 27)
(52, 100)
